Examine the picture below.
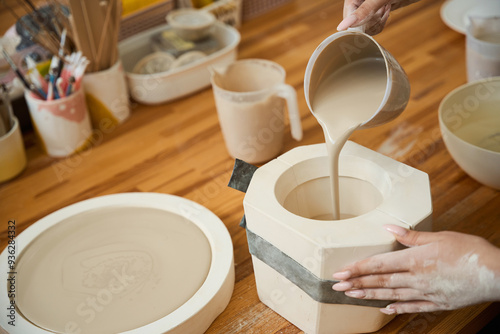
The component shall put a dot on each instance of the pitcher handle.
(288, 93)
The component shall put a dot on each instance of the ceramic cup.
(63, 125)
(483, 47)
(250, 96)
(13, 156)
(345, 47)
(107, 96)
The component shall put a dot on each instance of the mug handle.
(288, 93)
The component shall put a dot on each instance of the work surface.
(177, 148)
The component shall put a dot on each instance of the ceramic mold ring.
(130, 263)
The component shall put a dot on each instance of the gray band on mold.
(318, 289)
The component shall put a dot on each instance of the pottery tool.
(96, 26)
(53, 75)
(59, 88)
(34, 75)
(71, 82)
(61, 78)
(61, 51)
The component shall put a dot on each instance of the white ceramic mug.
(250, 97)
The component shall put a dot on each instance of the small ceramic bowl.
(469, 118)
(191, 24)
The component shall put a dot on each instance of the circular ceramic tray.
(134, 263)
(454, 13)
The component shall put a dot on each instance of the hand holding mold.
(439, 271)
(372, 14)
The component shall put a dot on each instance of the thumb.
(410, 238)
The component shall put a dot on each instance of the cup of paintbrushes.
(12, 153)
(62, 125)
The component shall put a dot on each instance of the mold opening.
(313, 199)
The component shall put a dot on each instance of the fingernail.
(398, 230)
(388, 311)
(356, 293)
(342, 286)
(342, 275)
(347, 22)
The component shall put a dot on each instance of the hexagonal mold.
(286, 204)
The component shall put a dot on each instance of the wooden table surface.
(177, 148)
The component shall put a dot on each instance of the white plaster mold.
(286, 194)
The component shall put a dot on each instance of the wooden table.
(177, 148)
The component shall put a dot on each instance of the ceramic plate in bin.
(179, 81)
(140, 263)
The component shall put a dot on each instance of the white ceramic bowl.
(469, 118)
(191, 24)
(109, 248)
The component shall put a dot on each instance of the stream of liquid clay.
(342, 102)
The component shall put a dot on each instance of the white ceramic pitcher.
(353, 45)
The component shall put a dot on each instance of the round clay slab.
(134, 263)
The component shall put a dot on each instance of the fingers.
(406, 260)
(386, 294)
(350, 6)
(349, 21)
(411, 307)
(411, 238)
(371, 13)
(357, 12)
(368, 8)
(379, 21)
(392, 262)
(400, 280)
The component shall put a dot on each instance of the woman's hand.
(372, 14)
(439, 271)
